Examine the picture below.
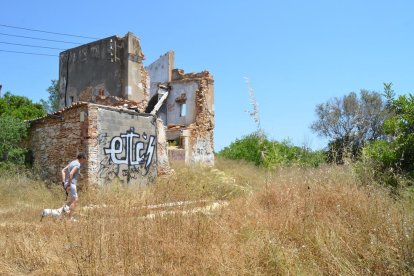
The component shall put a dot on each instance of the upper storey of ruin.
(108, 67)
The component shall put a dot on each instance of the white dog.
(55, 212)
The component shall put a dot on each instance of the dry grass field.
(233, 219)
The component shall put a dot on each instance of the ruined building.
(130, 119)
(107, 67)
(187, 112)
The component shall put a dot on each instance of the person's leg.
(73, 199)
(71, 203)
(65, 187)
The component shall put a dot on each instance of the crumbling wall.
(160, 71)
(188, 112)
(89, 70)
(135, 77)
(196, 91)
(162, 150)
(144, 80)
(201, 143)
(182, 93)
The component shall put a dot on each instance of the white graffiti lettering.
(150, 151)
(124, 149)
(129, 149)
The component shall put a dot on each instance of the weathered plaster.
(160, 71)
(107, 67)
(126, 147)
(173, 106)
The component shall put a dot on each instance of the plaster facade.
(108, 67)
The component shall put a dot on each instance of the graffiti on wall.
(129, 155)
(203, 151)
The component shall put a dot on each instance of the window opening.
(183, 110)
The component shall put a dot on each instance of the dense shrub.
(260, 150)
(13, 111)
(392, 160)
(12, 131)
(20, 107)
(401, 128)
(248, 148)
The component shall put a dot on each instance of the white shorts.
(73, 192)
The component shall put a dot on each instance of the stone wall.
(57, 139)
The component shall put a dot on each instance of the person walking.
(70, 175)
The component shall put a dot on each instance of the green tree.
(389, 94)
(401, 130)
(12, 131)
(392, 158)
(20, 107)
(52, 103)
(349, 122)
(13, 111)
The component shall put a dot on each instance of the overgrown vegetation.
(391, 161)
(376, 134)
(12, 131)
(20, 107)
(300, 221)
(260, 150)
(13, 111)
(278, 209)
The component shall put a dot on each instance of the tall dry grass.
(290, 221)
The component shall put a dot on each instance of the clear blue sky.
(295, 53)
